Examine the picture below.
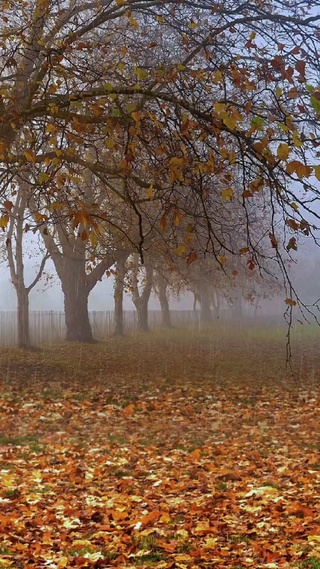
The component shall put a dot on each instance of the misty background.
(304, 270)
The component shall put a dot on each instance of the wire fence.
(49, 326)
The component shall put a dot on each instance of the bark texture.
(76, 293)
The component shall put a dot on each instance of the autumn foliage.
(207, 459)
(177, 113)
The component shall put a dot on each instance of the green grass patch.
(148, 551)
(21, 440)
(11, 493)
(80, 551)
(237, 539)
(4, 465)
(4, 550)
(311, 563)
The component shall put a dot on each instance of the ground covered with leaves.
(170, 450)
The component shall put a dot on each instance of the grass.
(175, 356)
(310, 563)
(208, 432)
(20, 440)
(5, 550)
(148, 551)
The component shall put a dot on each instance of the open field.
(176, 449)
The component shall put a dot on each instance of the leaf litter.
(159, 468)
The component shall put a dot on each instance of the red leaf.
(192, 257)
(301, 67)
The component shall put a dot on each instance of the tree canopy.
(195, 120)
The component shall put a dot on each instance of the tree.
(236, 103)
(18, 219)
(141, 294)
(119, 277)
(68, 253)
(161, 285)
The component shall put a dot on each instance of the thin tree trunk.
(216, 305)
(237, 306)
(196, 299)
(16, 265)
(118, 296)
(205, 308)
(141, 301)
(23, 318)
(163, 298)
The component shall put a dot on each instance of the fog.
(303, 269)
(47, 295)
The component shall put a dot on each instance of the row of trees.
(165, 271)
(185, 134)
(211, 290)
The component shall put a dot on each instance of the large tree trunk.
(23, 318)
(163, 299)
(69, 258)
(142, 313)
(76, 294)
(118, 296)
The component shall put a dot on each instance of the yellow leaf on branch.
(176, 169)
(227, 194)
(283, 151)
(30, 155)
(317, 172)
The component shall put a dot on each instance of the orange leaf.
(195, 454)
(301, 67)
(302, 170)
(30, 155)
(8, 205)
(163, 223)
(129, 409)
(151, 517)
(274, 242)
(293, 224)
(176, 169)
(290, 302)
(4, 220)
(247, 194)
(165, 518)
(251, 264)
(118, 515)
